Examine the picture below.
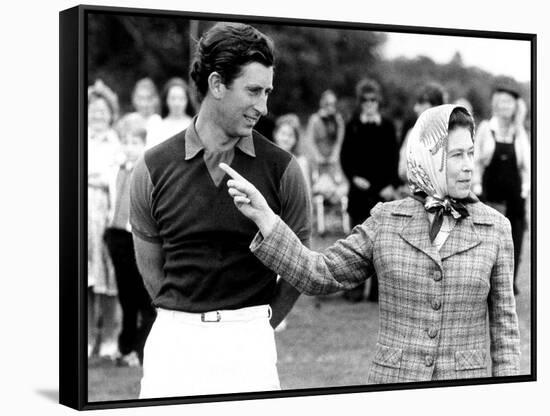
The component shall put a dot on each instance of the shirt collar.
(376, 119)
(193, 144)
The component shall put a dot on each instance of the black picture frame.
(73, 205)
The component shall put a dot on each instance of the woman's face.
(176, 100)
(99, 114)
(460, 162)
(504, 105)
(284, 137)
(145, 102)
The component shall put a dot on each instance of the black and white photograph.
(280, 206)
(254, 209)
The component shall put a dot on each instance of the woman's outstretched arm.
(344, 265)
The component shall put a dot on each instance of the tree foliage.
(123, 49)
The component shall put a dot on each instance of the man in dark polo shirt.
(217, 304)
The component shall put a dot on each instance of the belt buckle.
(207, 316)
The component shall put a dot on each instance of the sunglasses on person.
(369, 99)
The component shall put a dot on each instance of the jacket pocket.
(388, 356)
(470, 359)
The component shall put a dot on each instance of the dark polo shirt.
(179, 200)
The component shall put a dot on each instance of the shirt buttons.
(436, 304)
(432, 332)
(428, 360)
(437, 275)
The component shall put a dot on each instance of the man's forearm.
(283, 301)
(152, 281)
(150, 262)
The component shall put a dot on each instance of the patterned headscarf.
(427, 166)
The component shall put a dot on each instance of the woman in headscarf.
(443, 260)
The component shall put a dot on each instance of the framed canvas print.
(259, 207)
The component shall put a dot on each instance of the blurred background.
(123, 49)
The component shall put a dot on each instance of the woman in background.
(103, 158)
(503, 160)
(176, 111)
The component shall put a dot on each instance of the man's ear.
(216, 85)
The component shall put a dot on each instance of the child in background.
(103, 156)
(138, 313)
(286, 135)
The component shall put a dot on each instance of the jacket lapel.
(464, 235)
(461, 238)
(416, 230)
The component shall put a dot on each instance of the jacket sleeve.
(344, 265)
(503, 320)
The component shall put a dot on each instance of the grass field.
(328, 342)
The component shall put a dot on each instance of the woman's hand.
(250, 201)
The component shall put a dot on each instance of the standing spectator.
(176, 111)
(429, 95)
(369, 161)
(502, 160)
(145, 100)
(134, 299)
(324, 137)
(103, 156)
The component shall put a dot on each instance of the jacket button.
(437, 275)
(429, 360)
(436, 304)
(432, 332)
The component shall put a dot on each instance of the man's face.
(245, 100)
(460, 162)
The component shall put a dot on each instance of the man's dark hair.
(460, 117)
(225, 49)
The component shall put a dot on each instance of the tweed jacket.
(433, 303)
